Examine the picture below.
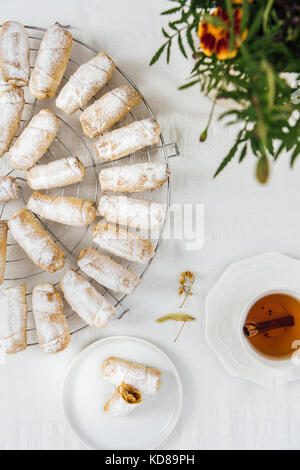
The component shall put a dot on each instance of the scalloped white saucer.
(226, 304)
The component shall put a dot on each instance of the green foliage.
(269, 120)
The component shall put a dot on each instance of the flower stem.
(266, 15)
(178, 334)
(203, 136)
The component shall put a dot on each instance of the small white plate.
(85, 393)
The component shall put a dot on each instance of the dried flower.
(185, 285)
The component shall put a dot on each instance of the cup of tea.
(271, 328)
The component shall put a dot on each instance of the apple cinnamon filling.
(131, 395)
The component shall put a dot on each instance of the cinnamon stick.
(256, 328)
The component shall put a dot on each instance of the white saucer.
(85, 393)
(237, 287)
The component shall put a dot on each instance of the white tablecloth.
(241, 219)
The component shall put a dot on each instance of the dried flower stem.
(178, 334)
(185, 285)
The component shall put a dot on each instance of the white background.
(241, 219)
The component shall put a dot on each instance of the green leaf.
(254, 142)
(291, 138)
(227, 159)
(232, 112)
(188, 85)
(199, 63)
(243, 153)
(175, 317)
(270, 147)
(181, 46)
(229, 9)
(280, 150)
(294, 156)
(165, 33)
(169, 52)
(171, 11)
(266, 15)
(256, 24)
(173, 26)
(245, 16)
(157, 54)
(189, 38)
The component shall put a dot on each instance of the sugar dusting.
(9, 188)
(14, 50)
(109, 109)
(136, 213)
(3, 248)
(145, 379)
(123, 243)
(3, 84)
(88, 79)
(11, 108)
(107, 272)
(35, 241)
(51, 62)
(34, 140)
(13, 318)
(85, 300)
(51, 323)
(63, 209)
(56, 174)
(125, 140)
(132, 178)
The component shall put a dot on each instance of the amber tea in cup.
(272, 325)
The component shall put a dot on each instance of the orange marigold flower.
(215, 39)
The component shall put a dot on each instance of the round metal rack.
(71, 141)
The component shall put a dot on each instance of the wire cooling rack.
(72, 141)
